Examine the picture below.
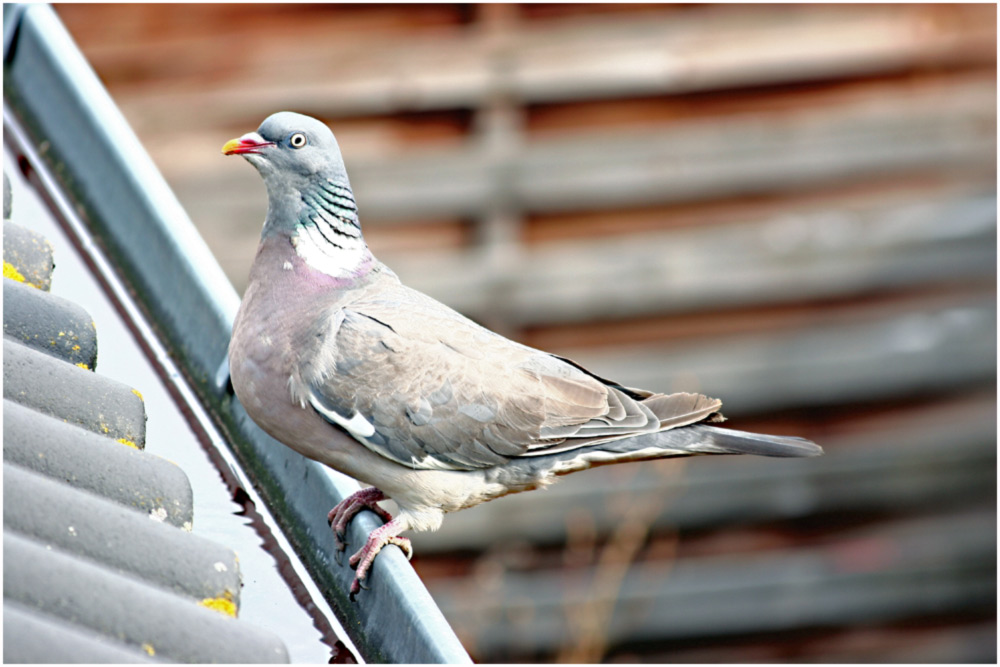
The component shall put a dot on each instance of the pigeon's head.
(309, 198)
(291, 150)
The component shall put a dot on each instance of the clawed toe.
(361, 561)
(358, 585)
(340, 516)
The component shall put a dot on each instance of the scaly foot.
(378, 538)
(347, 509)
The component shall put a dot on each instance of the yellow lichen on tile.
(223, 605)
(148, 648)
(139, 394)
(9, 271)
(126, 441)
(84, 367)
(76, 348)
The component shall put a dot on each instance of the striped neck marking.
(328, 234)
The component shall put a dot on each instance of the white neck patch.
(340, 258)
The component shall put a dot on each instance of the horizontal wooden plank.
(374, 72)
(905, 570)
(829, 251)
(669, 329)
(962, 642)
(946, 128)
(899, 467)
(917, 354)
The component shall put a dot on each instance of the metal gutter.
(54, 102)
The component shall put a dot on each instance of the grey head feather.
(308, 191)
(303, 171)
(298, 165)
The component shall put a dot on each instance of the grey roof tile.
(68, 392)
(95, 597)
(117, 537)
(50, 324)
(27, 255)
(97, 564)
(97, 464)
(33, 637)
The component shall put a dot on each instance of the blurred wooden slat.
(893, 643)
(794, 255)
(577, 59)
(946, 128)
(903, 570)
(914, 354)
(947, 132)
(705, 325)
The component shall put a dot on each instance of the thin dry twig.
(589, 621)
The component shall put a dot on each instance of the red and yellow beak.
(248, 143)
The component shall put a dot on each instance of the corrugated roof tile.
(66, 391)
(98, 566)
(86, 525)
(129, 609)
(34, 637)
(96, 464)
(49, 323)
(25, 251)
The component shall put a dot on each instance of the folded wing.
(422, 385)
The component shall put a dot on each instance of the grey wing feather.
(428, 388)
(416, 376)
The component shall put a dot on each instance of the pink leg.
(346, 509)
(378, 538)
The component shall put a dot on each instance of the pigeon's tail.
(693, 440)
(718, 440)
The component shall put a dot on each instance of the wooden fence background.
(790, 207)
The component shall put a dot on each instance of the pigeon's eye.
(297, 140)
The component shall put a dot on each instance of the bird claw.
(340, 516)
(341, 546)
(361, 561)
(356, 587)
